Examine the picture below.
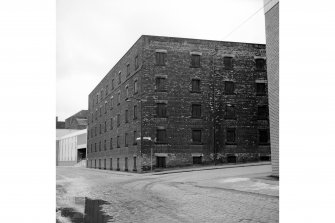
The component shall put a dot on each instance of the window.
(118, 142)
(105, 164)
(105, 126)
(196, 135)
(260, 89)
(260, 64)
(91, 148)
(161, 110)
(101, 94)
(161, 135)
(195, 60)
(196, 111)
(88, 134)
(263, 135)
(99, 163)
(100, 111)
(95, 130)
(126, 116)
(160, 84)
(92, 117)
(126, 139)
(135, 111)
(99, 128)
(99, 146)
(105, 144)
(262, 112)
(195, 85)
(97, 98)
(231, 136)
(118, 97)
(128, 69)
(105, 107)
(95, 147)
(160, 58)
(126, 164)
(111, 123)
(136, 62)
(135, 138)
(230, 112)
(112, 102)
(228, 62)
(229, 87)
(118, 164)
(112, 84)
(127, 92)
(95, 163)
(111, 163)
(118, 120)
(135, 87)
(111, 144)
(106, 90)
(119, 77)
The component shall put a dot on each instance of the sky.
(92, 35)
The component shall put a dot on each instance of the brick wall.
(272, 39)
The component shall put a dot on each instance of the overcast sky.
(92, 35)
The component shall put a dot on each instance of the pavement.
(244, 193)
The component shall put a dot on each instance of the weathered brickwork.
(272, 39)
(189, 134)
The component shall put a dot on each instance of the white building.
(71, 148)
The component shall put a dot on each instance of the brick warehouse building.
(165, 98)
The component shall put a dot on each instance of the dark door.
(160, 162)
(197, 160)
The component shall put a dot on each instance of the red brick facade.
(176, 81)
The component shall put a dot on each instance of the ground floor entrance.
(81, 154)
(160, 162)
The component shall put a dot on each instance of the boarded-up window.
(228, 62)
(260, 64)
(118, 119)
(196, 111)
(135, 87)
(229, 87)
(260, 88)
(126, 116)
(262, 112)
(135, 138)
(128, 69)
(263, 136)
(160, 58)
(230, 112)
(231, 136)
(195, 85)
(161, 135)
(126, 139)
(160, 84)
(196, 135)
(195, 60)
(135, 111)
(118, 141)
(161, 110)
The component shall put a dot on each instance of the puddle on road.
(91, 212)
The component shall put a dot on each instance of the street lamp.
(141, 127)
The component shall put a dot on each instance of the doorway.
(160, 162)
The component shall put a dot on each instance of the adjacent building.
(77, 121)
(271, 8)
(175, 101)
(71, 148)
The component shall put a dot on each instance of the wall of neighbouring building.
(272, 48)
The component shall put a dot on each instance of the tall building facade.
(272, 52)
(175, 101)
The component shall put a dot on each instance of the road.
(242, 194)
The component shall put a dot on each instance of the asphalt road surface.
(241, 194)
